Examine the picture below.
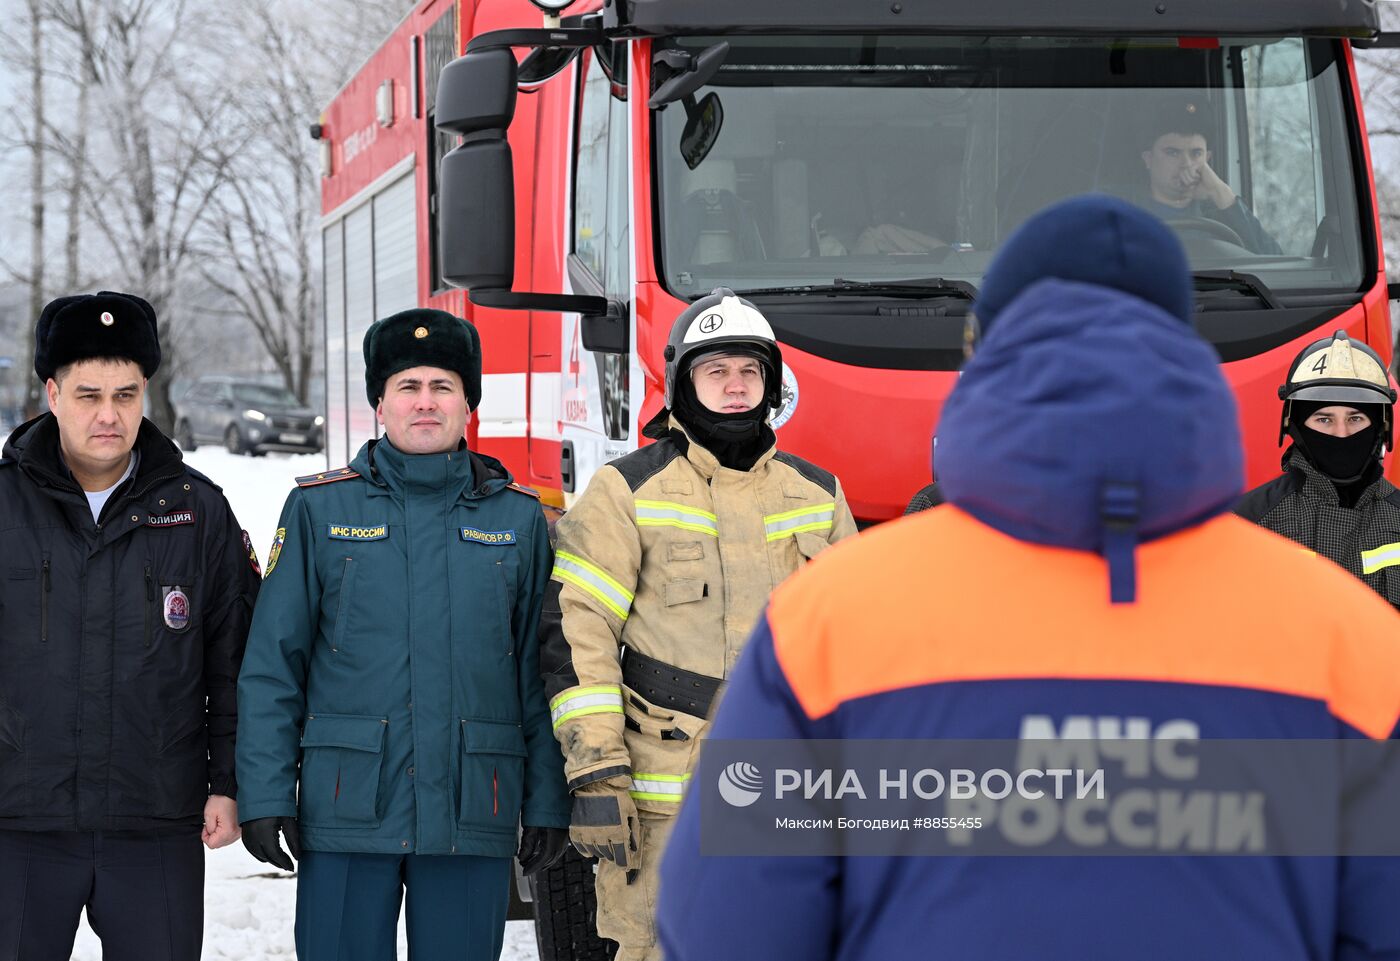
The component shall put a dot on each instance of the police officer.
(124, 605)
(396, 729)
(1338, 410)
(669, 556)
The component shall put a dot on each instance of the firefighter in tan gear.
(662, 568)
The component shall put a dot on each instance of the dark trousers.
(143, 890)
(348, 906)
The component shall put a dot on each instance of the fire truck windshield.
(881, 158)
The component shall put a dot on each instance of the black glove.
(541, 848)
(260, 838)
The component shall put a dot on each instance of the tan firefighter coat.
(672, 556)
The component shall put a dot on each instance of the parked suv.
(247, 417)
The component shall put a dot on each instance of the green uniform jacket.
(393, 661)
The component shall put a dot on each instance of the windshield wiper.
(915, 287)
(1235, 280)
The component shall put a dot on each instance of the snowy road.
(249, 906)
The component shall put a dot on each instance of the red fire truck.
(852, 167)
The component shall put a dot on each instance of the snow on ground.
(248, 911)
(249, 906)
(256, 487)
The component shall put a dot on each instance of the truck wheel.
(566, 913)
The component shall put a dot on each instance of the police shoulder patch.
(252, 554)
(487, 537)
(327, 477)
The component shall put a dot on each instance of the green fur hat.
(422, 338)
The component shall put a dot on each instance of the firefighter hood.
(1089, 417)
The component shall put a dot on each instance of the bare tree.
(72, 16)
(160, 116)
(263, 219)
(264, 235)
(37, 146)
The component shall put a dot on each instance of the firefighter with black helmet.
(1338, 409)
(662, 568)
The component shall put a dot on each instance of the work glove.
(260, 838)
(604, 823)
(541, 848)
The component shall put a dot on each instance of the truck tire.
(566, 913)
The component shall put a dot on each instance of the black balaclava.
(1348, 462)
(736, 440)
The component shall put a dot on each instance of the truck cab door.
(596, 410)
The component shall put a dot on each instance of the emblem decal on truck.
(790, 396)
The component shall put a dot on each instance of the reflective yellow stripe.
(1379, 558)
(577, 691)
(659, 787)
(597, 709)
(669, 514)
(592, 580)
(683, 508)
(814, 526)
(581, 701)
(790, 515)
(816, 518)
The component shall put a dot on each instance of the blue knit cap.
(1093, 239)
(1095, 417)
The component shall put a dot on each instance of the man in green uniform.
(393, 671)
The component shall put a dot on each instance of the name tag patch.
(170, 520)
(350, 532)
(488, 537)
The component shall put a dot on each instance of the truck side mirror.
(476, 181)
(476, 192)
(702, 125)
(476, 215)
(476, 92)
(605, 333)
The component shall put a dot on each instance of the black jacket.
(927, 497)
(120, 642)
(1303, 505)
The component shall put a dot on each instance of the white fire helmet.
(723, 323)
(1339, 371)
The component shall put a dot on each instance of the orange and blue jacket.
(1233, 628)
